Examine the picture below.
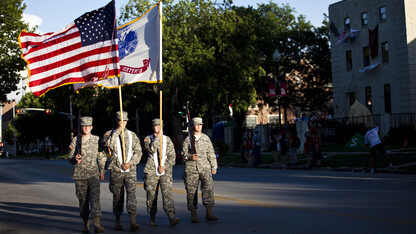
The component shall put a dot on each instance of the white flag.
(140, 51)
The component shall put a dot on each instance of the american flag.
(84, 50)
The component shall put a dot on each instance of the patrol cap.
(156, 122)
(197, 121)
(86, 121)
(124, 115)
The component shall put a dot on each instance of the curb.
(342, 169)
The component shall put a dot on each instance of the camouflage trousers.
(118, 183)
(191, 185)
(88, 194)
(151, 186)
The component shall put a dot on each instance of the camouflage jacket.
(206, 155)
(110, 141)
(152, 146)
(90, 152)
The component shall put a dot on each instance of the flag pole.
(122, 122)
(161, 127)
(161, 87)
(123, 151)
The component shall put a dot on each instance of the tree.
(310, 78)
(305, 63)
(201, 63)
(11, 63)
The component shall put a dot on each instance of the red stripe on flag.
(26, 41)
(80, 68)
(55, 53)
(72, 59)
(70, 80)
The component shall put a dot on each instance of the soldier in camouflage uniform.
(123, 175)
(162, 176)
(86, 174)
(199, 166)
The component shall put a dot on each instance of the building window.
(251, 121)
(366, 56)
(348, 56)
(385, 52)
(351, 97)
(368, 100)
(364, 19)
(383, 14)
(274, 119)
(347, 24)
(387, 98)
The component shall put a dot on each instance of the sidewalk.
(397, 168)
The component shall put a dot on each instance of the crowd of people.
(88, 154)
(284, 145)
(280, 144)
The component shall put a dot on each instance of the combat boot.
(194, 216)
(97, 226)
(210, 216)
(86, 228)
(133, 225)
(118, 226)
(173, 221)
(152, 222)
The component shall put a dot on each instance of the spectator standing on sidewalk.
(294, 143)
(283, 149)
(274, 139)
(257, 147)
(376, 147)
(248, 144)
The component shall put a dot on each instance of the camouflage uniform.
(153, 181)
(86, 175)
(200, 169)
(123, 180)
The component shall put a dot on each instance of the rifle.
(190, 133)
(79, 141)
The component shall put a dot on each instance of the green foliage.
(8, 134)
(11, 63)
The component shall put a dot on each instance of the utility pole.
(14, 131)
(1, 123)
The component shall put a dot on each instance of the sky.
(52, 15)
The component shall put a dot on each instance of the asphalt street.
(38, 196)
